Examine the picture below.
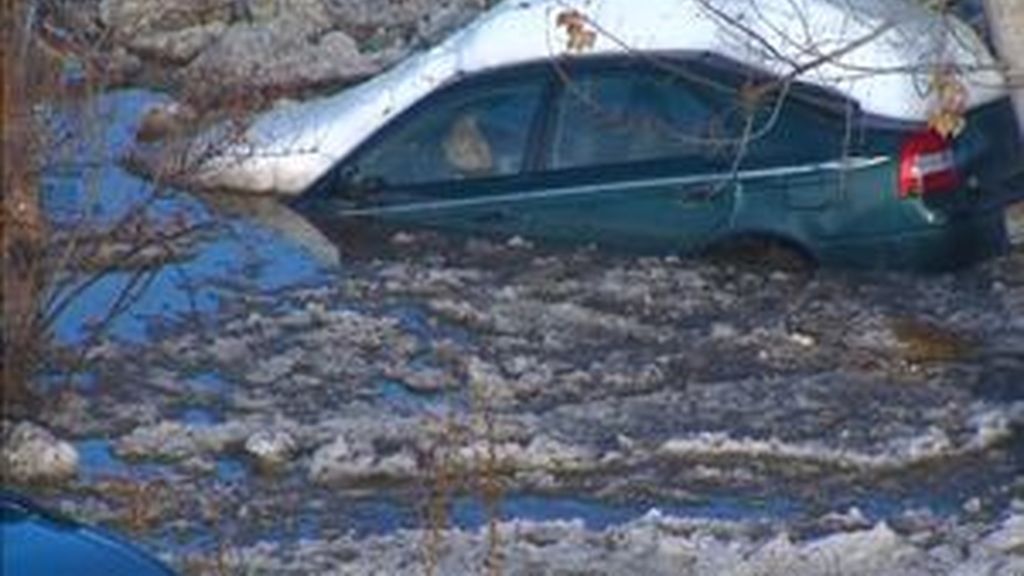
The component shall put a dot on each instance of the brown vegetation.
(24, 230)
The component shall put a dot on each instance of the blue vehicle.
(36, 542)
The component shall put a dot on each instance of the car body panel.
(954, 244)
(38, 542)
(670, 213)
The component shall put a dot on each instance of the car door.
(634, 156)
(457, 160)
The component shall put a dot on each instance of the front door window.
(471, 134)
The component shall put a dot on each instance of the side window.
(475, 133)
(625, 116)
(797, 129)
(698, 114)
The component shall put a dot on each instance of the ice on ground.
(655, 545)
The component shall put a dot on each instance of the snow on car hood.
(881, 53)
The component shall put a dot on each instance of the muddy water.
(413, 372)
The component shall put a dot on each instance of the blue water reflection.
(84, 187)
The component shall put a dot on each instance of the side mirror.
(350, 184)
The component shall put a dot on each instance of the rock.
(441, 20)
(165, 121)
(360, 14)
(80, 18)
(120, 67)
(346, 462)
(270, 448)
(33, 454)
(284, 45)
(286, 54)
(802, 340)
(130, 18)
(171, 440)
(178, 47)
(723, 331)
(314, 13)
(292, 44)
(168, 440)
(430, 19)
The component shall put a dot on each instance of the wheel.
(761, 252)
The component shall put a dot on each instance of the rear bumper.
(955, 244)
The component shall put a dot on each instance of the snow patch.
(990, 427)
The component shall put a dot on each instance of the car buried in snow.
(874, 134)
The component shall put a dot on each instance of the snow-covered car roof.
(880, 53)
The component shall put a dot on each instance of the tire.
(761, 253)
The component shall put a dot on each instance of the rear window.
(785, 126)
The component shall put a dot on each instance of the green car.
(667, 125)
(662, 153)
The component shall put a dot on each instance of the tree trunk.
(1006, 21)
(22, 219)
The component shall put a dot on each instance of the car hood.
(880, 53)
(35, 541)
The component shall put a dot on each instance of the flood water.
(409, 368)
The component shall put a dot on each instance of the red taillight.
(927, 165)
